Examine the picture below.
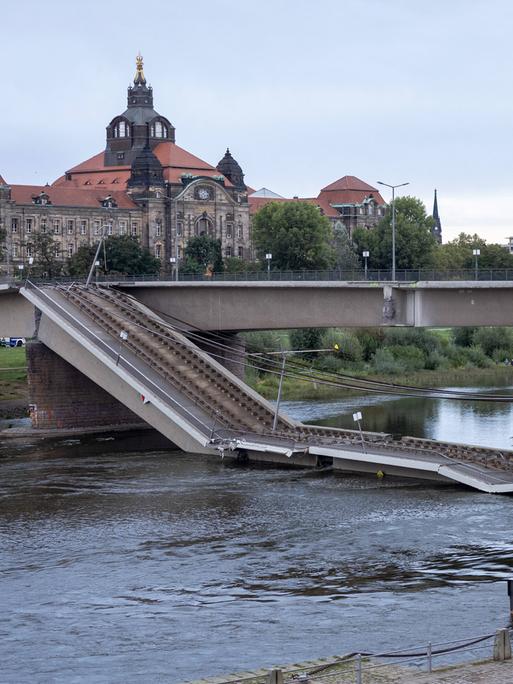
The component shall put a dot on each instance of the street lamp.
(268, 257)
(476, 253)
(393, 187)
(366, 255)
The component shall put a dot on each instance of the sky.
(302, 92)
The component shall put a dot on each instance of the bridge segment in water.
(183, 392)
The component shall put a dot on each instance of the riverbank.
(13, 375)
(335, 671)
(297, 390)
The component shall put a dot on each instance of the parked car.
(12, 341)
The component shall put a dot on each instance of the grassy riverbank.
(13, 374)
(296, 390)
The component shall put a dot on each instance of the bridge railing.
(334, 275)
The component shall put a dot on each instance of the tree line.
(298, 237)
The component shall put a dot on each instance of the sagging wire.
(313, 376)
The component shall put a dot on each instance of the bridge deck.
(194, 401)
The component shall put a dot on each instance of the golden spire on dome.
(139, 77)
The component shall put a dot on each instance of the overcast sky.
(302, 92)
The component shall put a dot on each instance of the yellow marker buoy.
(380, 474)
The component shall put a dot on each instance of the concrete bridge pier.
(61, 397)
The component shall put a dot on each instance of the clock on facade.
(204, 193)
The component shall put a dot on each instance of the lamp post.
(366, 255)
(393, 187)
(476, 253)
(268, 257)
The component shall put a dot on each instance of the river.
(124, 562)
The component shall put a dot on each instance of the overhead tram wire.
(321, 377)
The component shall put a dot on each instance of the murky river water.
(121, 562)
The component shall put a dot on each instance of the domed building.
(142, 184)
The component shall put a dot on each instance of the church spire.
(437, 226)
(139, 78)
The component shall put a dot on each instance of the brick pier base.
(60, 396)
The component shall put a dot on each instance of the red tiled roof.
(349, 196)
(349, 183)
(63, 196)
(256, 203)
(174, 159)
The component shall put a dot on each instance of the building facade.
(348, 202)
(142, 185)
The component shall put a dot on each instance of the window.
(97, 229)
(240, 252)
(370, 209)
(239, 231)
(30, 250)
(28, 225)
(229, 230)
(179, 228)
(109, 227)
(133, 229)
(159, 130)
(70, 250)
(14, 251)
(56, 252)
(43, 226)
(158, 250)
(83, 227)
(204, 226)
(228, 251)
(119, 156)
(14, 225)
(122, 227)
(121, 130)
(56, 227)
(71, 226)
(361, 210)
(158, 227)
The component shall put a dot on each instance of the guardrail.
(334, 275)
(114, 354)
(351, 668)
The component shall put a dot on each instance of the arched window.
(159, 130)
(204, 226)
(121, 130)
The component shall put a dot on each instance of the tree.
(457, 254)
(296, 234)
(201, 252)
(345, 252)
(124, 255)
(414, 243)
(46, 253)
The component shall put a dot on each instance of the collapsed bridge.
(167, 381)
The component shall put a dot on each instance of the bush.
(425, 340)
(435, 361)
(411, 357)
(371, 339)
(385, 362)
(463, 336)
(329, 364)
(350, 348)
(476, 357)
(306, 338)
(490, 339)
(501, 355)
(262, 341)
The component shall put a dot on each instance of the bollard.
(430, 657)
(275, 677)
(510, 594)
(502, 645)
(359, 669)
